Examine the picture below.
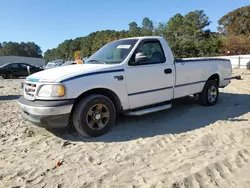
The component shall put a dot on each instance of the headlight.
(51, 91)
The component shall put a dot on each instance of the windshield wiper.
(94, 60)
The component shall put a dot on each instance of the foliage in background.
(236, 22)
(235, 45)
(29, 49)
(187, 35)
(86, 45)
(235, 27)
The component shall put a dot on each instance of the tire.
(5, 76)
(210, 94)
(9, 75)
(89, 108)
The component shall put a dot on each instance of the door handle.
(168, 71)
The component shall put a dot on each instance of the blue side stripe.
(92, 73)
(154, 90)
(190, 83)
(33, 79)
(142, 92)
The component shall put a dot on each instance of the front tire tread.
(79, 115)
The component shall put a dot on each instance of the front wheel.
(8, 75)
(94, 115)
(210, 93)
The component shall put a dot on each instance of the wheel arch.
(102, 91)
(215, 77)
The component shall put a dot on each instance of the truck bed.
(199, 59)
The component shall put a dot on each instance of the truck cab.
(133, 76)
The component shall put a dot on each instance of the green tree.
(188, 37)
(29, 49)
(50, 55)
(134, 30)
(160, 29)
(147, 27)
(64, 51)
(195, 24)
(236, 22)
(75, 45)
(86, 45)
(32, 49)
(11, 48)
(174, 34)
(210, 44)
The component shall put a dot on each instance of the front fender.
(77, 87)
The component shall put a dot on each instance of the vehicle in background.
(14, 70)
(68, 63)
(133, 76)
(53, 64)
(72, 62)
(248, 66)
(21, 59)
(49, 65)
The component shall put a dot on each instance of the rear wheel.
(5, 76)
(8, 75)
(94, 115)
(209, 95)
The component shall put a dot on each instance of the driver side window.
(153, 51)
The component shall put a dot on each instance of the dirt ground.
(188, 146)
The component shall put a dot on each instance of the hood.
(58, 73)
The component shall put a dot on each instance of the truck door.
(149, 76)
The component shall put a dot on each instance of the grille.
(29, 90)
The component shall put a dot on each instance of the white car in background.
(68, 63)
(53, 64)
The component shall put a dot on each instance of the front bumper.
(47, 114)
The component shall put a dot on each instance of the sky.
(50, 22)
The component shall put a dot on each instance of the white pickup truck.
(133, 76)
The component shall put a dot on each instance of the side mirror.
(140, 57)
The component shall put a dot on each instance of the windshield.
(3, 66)
(113, 52)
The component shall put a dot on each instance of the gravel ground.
(188, 146)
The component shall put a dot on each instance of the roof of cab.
(144, 37)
